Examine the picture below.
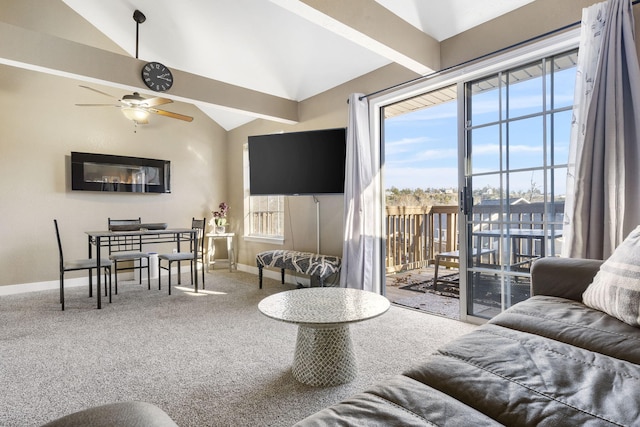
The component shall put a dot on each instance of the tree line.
(449, 196)
(421, 197)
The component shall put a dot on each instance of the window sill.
(265, 239)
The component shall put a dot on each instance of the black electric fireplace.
(104, 172)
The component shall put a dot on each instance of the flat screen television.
(298, 163)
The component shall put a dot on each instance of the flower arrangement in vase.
(220, 217)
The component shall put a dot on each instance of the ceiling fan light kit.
(156, 77)
(136, 114)
(137, 108)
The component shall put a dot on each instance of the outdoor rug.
(442, 302)
(444, 289)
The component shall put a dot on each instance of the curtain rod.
(435, 73)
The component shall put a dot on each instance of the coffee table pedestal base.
(324, 356)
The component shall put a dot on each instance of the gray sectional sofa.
(547, 361)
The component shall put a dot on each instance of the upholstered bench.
(320, 266)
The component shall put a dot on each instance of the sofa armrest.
(563, 277)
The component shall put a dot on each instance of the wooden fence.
(416, 233)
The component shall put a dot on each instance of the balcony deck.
(416, 234)
(446, 306)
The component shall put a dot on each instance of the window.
(264, 215)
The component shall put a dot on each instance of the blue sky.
(421, 148)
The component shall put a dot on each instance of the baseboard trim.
(291, 279)
(71, 283)
(43, 286)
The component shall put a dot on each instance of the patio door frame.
(458, 75)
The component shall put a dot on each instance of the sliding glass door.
(517, 130)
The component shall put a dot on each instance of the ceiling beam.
(49, 54)
(360, 21)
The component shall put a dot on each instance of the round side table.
(324, 354)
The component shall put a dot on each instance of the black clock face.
(157, 77)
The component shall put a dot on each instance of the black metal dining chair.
(127, 249)
(194, 255)
(201, 225)
(81, 264)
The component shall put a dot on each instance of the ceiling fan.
(137, 108)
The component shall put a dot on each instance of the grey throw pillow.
(616, 288)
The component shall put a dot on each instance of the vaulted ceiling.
(259, 52)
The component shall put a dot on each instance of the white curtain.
(592, 26)
(603, 181)
(361, 260)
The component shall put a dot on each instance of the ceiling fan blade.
(98, 91)
(98, 105)
(152, 102)
(170, 114)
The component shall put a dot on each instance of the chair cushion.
(178, 256)
(81, 264)
(616, 287)
(128, 255)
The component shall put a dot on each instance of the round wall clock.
(157, 77)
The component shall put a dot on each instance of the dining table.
(103, 238)
(517, 235)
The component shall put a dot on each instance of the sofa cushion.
(616, 288)
(522, 379)
(121, 414)
(399, 401)
(572, 322)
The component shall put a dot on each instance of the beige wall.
(532, 20)
(327, 110)
(40, 126)
(525, 23)
(55, 18)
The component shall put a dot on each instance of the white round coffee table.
(324, 353)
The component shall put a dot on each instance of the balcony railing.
(415, 234)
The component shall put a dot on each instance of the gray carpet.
(208, 360)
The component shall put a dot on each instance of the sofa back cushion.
(616, 288)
